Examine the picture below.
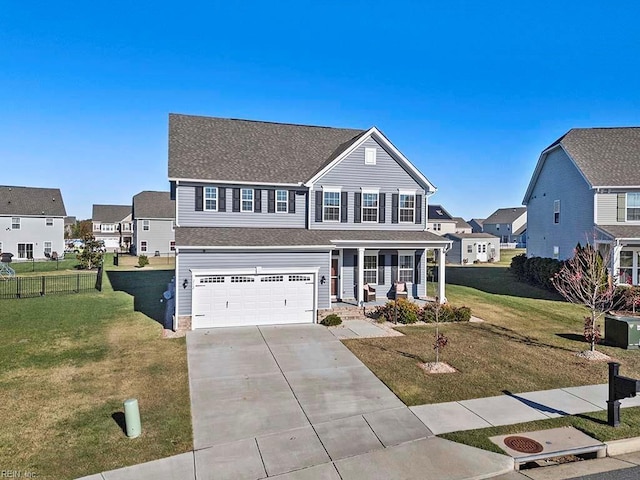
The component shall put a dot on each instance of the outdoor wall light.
(185, 283)
(323, 280)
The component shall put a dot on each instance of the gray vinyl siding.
(187, 216)
(349, 276)
(560, 180)
(607, 208)
(454, 254)
(158, 237)
(352, 175)
(249, 259)
(32, 230)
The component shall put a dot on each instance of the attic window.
(49, 222)
(15, 223)
(370, 156)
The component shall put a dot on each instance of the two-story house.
(462, 226)
(154, 216)
(31, 222)
(274, 221)
(509, 225)
(113, 225)
(439, 221)
(586, 188)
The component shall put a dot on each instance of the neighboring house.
(31, 222)
(473, 247)
(112, 225)
(586, 188)
(69, 222)
(440, 221)
(508, 224)
(274, 221)
(462, 226)
(476, 225)
(154, 216)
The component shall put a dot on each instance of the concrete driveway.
(294, 401)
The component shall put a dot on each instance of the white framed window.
(126, 227)
(107, 227)
(371, 269)
(49, 222)
(282, 201)
(173, 224)
(25, 250)
(172, 246)
(145, 225)
(407, 207)
(437, 227)
(211, 199)
(246, 200)
(143, 246)
(0, 247)
(497, 226)
(469, 248)
(15, 223)
(331, 205)
(47, 248)
(369, 206)
(633, 207)
(405, 268)
(556, 211)
(556, 252)
(370, 155)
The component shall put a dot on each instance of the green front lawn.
(68, 363)
(38, 267)
(526, 343)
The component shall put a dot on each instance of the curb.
(620, 447)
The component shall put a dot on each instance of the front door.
(482, 252)
(334, 276)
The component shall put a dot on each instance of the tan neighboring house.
(462, 226)
(440, 221)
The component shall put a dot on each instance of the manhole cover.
(523, 444)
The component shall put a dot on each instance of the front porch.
(381, 270)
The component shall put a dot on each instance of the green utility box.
(622, 331)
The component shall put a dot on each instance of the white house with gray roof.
(154, 216)
(113, 225)
(31, 222)
(275, 221)
(586, 188)
(439, 220)
(468, 248)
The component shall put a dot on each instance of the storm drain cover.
(523, 444)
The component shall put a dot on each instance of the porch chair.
(369, 293)
(400, 290)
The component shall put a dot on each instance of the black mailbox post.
(619, 387)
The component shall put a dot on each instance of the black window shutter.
(381, 207)
(418, 208)
(380, 269)
(199, 196)
(394, 268)
(271, 201)
(236, 200)
(292, 201)
(355, 276)
(222, 199)
(344, 204)
(172, 190)
(319, 206)
(622, 207)
(416, 277)
(394, 208)
(257, 200)
(357, 205)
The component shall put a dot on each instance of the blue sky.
(470, 92)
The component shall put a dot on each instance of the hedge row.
(537, 271)
(408, 312)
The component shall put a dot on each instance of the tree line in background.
(80, 229)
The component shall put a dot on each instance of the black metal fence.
(38, 286)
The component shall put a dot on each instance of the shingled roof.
(31, 201)
(150, 204)
(505, 215)
(110, 213)
(223, 149)
(608, 157)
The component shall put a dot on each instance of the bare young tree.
(584, 280)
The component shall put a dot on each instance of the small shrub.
(331, 320)
(408, 312)
(536, 271)
(446, 313)
(143, 260)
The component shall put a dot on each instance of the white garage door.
(236, 300)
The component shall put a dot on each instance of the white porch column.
(360, 285)
(424, 272)
(441, 279)
(616, 248)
